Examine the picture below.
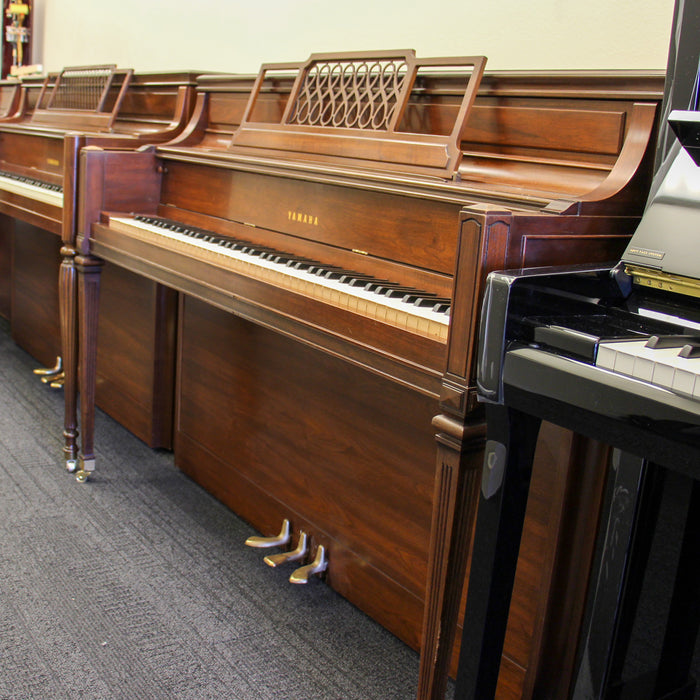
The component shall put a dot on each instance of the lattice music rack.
(82, 97)
(350, 106)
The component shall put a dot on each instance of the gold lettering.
(302, 217)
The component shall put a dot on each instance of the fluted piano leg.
(459, 466)
(89, 269)
(67, 300)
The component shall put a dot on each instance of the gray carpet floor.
(138, 585)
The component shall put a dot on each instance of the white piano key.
(660, 367)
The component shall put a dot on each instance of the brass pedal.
(317, 566)
(50, 372)
(293, 555)
(56, 382)
(276, 541)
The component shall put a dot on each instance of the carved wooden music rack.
(82, 97)
(353, 106)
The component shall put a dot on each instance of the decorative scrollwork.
(355, 94)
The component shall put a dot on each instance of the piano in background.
(57, 115)
(300, 397)
(613, 354)
(11, 94)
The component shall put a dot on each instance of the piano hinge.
(360, 252)
(248, 223)
(656, 279)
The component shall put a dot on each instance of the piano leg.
(623, 553)
(510, 449)
(89, 269)
(459, 460)
(67, 300)
(683, 620)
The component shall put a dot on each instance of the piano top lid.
(666, 243)
(349, 108)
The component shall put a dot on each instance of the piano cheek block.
(494, 468)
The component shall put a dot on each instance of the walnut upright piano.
(329, 250)
(54, 117)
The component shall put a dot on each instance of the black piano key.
(351, 277)
(671, 341)
(398, 292)
(690, 350)
(441, 308)
(363, 282)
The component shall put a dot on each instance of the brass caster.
(86, 467)
(50, 371)
(317, 566)
(71, 465)
(276, 541)
(293, 555)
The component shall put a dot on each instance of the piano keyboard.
(409, 309)
(32, 188)
(670, 365)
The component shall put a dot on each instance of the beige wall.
(236, 36)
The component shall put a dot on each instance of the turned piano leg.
(89, 269)
(459, 462)
(67, 300)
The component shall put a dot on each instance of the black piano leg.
(623, 550)
(510, 449)
(683, 620)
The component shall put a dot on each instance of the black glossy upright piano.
(614, 354)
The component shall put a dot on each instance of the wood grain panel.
(6, 235)
(316, 438)
(35, 322)
(136, 354)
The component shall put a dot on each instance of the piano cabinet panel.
(136, 354)
(6, 236)
(37, 156)
(277, 429)
(34, 313)
(422, 234)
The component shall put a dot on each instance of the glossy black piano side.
(653, 430)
